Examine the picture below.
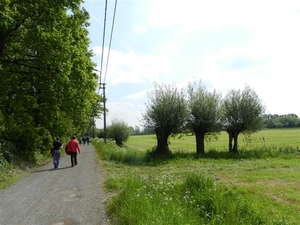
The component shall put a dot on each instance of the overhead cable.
(111, 33)
(104, 27)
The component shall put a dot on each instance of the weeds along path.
(64, 196)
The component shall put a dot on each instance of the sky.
(224, 44)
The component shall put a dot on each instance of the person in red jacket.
(73, 147)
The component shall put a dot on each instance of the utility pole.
(102, 86)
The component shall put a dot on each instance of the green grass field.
(274, 138)
(264, 187)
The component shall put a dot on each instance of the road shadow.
(51, 169)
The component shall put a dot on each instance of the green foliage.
(166, 113)
(203, 108)
(281, 121)
(100, 133)
(204, 113)
(241, 112)
(26, 142)
(118, 131)
(47, 80)
(4, 166)
(7, 150)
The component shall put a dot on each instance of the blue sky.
(225, 44)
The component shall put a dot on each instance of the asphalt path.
(64, 196)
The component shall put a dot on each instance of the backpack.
(66, 150)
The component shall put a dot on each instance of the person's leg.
(58, 158)
(54, 162)
(72, 159)
(53, 159)
(75, 158)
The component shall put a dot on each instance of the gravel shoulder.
(64, 196)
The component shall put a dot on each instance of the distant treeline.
(270, 121)
(281, 121)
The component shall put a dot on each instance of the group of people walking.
(84, 140)
(72, 147)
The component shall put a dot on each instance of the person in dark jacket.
(57, 145)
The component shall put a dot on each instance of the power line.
(102, 84)
(103, 40)
(111, 33)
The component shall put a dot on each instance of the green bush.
(22, 145)
(118, 131)
(7, 151)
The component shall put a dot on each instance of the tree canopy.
(204, 112)
(166, 114)
(242, 111)
(281, 121)
(47, 84)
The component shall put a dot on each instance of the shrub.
(118, 131)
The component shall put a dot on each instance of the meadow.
(271, 138)
(260, 185)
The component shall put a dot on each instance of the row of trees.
(47, 86)
(281, 121)
(169, 111)
(270, 121)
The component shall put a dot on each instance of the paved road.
(64, 196)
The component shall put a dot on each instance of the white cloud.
(133, 68)
(125, 111)
(195, 14)
(137, 95)
(140, 30)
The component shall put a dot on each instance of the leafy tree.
(137, 130)
(100, 133)
(289, 120)
(204, 113)
(242, 112)
(118, 131)
(46, 72)
(280, 121)
(148, 130)
(166, 113)
(131, 130)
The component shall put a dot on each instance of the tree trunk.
(118, 142)
(162, 144)
(199, 142)
(233, 136)
(230, 141)
(235, 139)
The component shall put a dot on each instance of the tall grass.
(195, 201)
(189, 189)
(4, 166)
(112, 152)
